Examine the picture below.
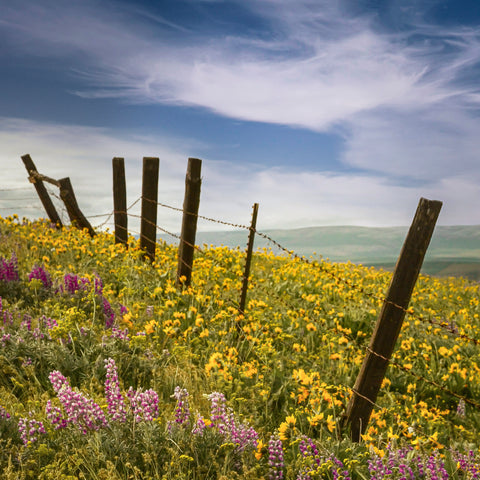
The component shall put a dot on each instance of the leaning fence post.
(76, 216)
(248, 260)
(120, 201)
(391, 318)
(148, 228)
(41, 191)
(191, 204)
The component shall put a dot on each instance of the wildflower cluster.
(29, 429)
(223, 419)
(275, 457)
(143, 404)
(9, 269)
(115, 401)
(79, 410)
(39, 273)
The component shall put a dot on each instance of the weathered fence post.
(76, 216)
(248, 260)
(120, 201)
(148, 229)
(41, 191)
(191, 204)
(391, 318)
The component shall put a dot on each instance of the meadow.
(109, 371)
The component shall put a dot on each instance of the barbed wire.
(421, 377)
(439, 323)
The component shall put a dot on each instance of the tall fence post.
(120, 201)
(41, 191)
(148, 228)
(248, 259)
(391, 317)
(76, 216)
(191, 204)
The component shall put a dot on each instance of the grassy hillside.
(454, 251)
(109, 371)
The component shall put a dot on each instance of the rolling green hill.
(453, 251)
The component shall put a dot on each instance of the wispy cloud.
(404, 102)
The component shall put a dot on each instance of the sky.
(325, 112)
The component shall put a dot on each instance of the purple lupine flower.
(144, 405)
(4, 415)
(27, 362)
(182, 411)
(275, 457)
(123, 310)
(461, 409)
(108, 313)
(308, 448)
(98, 285)
(29, 429)
(48, 322)
(39, 273)
(38, 334)
(378, 470)
(9, 269)
(218, 411)
(27, 322)
(468, 464)
(121, 334)
(115, 402)
(242, 435)
(5, 338)
(70, 283)
(80, 410)
(436, 468)
(338, 471)
(54, 414)
(200, 426)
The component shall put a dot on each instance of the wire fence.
(31, 203)
(448, 327)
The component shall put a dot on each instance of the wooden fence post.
(41, 191)
(76, 216)
(120, 201)
(391, 317)
(148, 228)
(248, 260)
(191, 204)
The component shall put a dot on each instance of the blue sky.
(324, 112)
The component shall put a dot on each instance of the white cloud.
(409, 108)
(320, 67)
(428, 145)
(288, 198)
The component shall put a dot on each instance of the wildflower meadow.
(109, 371)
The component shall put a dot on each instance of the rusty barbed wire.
(421, 377)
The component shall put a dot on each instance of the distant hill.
(453, 251)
